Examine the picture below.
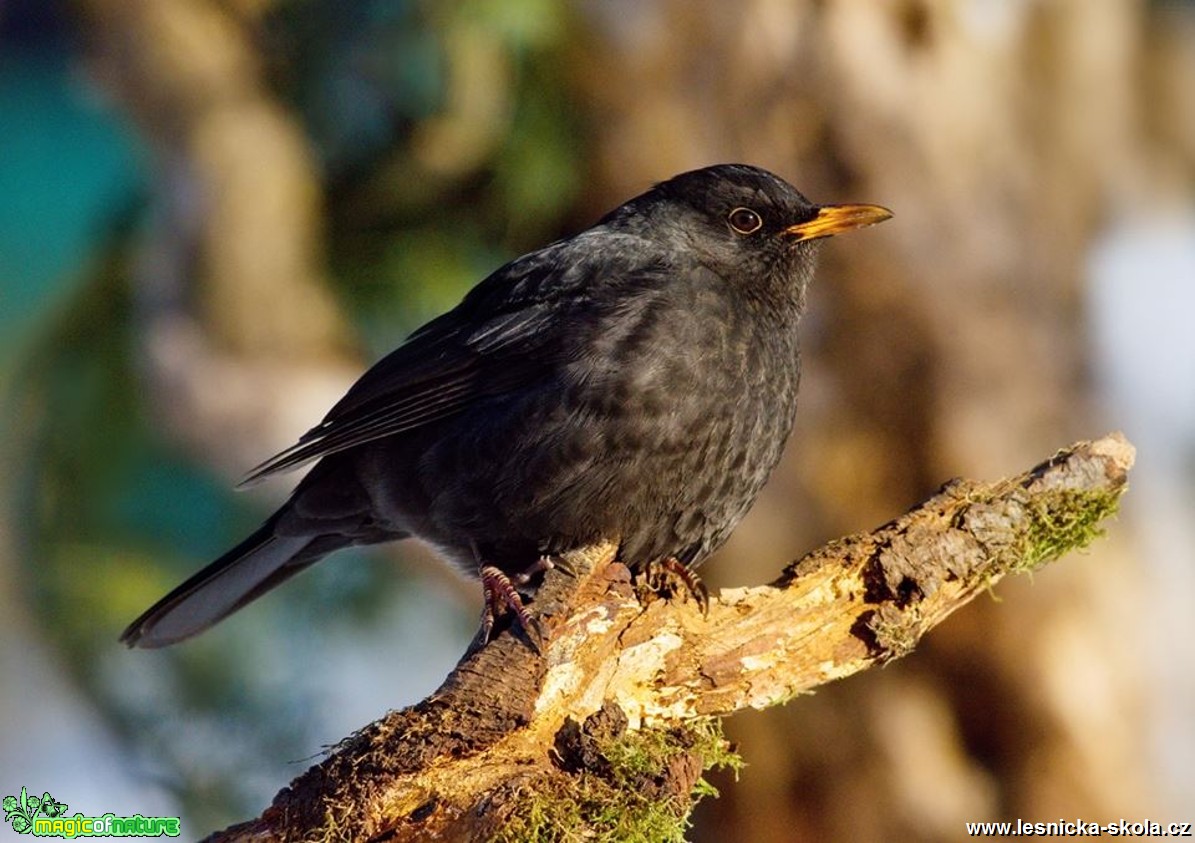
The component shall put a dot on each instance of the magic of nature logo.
(45, 816)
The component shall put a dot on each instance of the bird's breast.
(680, 415)
(659, 428)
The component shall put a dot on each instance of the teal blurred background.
(106, 507)
(214, 215)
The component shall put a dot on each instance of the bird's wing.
(504, 335)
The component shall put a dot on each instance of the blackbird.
(634, 383)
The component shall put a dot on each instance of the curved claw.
(501, 596)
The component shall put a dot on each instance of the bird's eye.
(744, 220)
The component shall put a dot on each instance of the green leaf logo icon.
(21, 813)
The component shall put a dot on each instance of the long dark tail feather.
(237, 578)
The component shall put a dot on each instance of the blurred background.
(215, 213)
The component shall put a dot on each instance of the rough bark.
(608, 719)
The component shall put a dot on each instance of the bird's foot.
(501, 596)
(668, 577)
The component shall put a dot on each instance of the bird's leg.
(670, 576)
(500, 596)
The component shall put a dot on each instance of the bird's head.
(743, 222)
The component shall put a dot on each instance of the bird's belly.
(666, 477)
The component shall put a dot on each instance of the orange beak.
(835, 219)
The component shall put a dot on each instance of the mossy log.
(603, 731)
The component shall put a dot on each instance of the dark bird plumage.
(635, 382)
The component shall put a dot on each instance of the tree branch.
(609, 728)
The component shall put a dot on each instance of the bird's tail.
(241, 575)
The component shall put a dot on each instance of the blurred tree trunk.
(244, 345)
(950, 343)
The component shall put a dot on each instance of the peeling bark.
(519, 739)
